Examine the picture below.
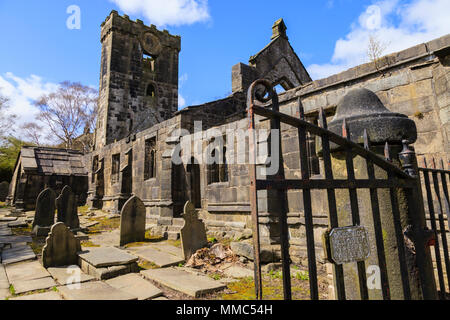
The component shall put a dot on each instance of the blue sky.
(39, 51)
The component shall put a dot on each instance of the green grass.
(12, 290)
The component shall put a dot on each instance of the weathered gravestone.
(132, 221)
(4, 189)
(67, 207)
(61, 247)
(44, 216)
(193, 234)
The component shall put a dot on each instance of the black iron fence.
(435, 185)
(396, 180)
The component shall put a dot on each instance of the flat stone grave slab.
(16, 254)
(23, 286)
(18, 224)
(26, 271)
(190, 284)
(69, 275)
(8, 219)
(134, 284)
(96, 290)
(107, 257)
(160, 258)
(13, 239)
(52, 295)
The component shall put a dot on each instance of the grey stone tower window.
(115, 168)
(148, 62)
(150, 159)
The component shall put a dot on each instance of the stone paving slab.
(23, 286)
(66, 275)
(4, 283)
(107, 257)
(160, 258)
(161, 299)
(26, 271)
(96, 290)
(165, 247)
(239, 272)
(4, 293)
(5, 232)
(134, 284)
(190, 284)
(52, 295)
(17, 254)
(13, 239)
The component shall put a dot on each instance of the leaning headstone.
(193, 234)
(4, 189)
(61, 247)
(44, 216)
(67, 207)
(132, 221)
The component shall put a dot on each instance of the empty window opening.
(151, 91)
(148, 62)
(150, 159)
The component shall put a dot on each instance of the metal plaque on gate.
(349, 244)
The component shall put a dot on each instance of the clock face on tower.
(151, 44)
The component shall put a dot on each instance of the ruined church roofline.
(278, 31)
(425, 51)
(115, 22)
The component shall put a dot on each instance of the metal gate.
(263, 101)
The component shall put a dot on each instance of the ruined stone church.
(138, 115)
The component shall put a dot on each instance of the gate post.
(363, 116)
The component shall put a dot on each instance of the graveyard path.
(150, 270)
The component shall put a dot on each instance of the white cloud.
(21, 93)
(167, 12)
(398, 24)
(181, 100)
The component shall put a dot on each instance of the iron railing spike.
(425, 165)
(323, 119)
(387, 152)
(345, 129)
(301, 110)
(433, 163)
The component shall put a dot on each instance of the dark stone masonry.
(136, 136)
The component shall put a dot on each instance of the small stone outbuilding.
(38, 168)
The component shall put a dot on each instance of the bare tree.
(7, 120)
(67, 111)
(376, 49)
(33, 132)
